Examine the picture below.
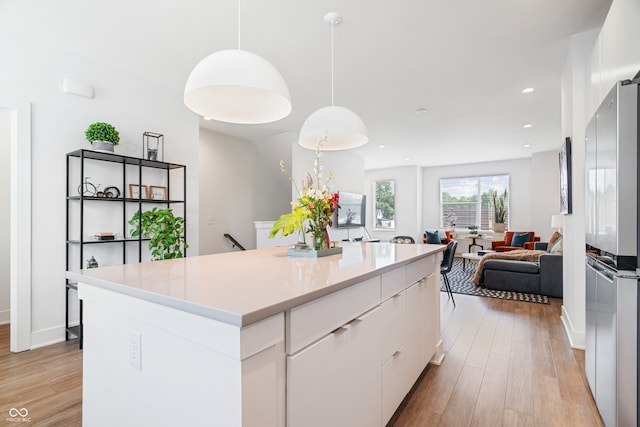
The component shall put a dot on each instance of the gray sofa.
(542, 278)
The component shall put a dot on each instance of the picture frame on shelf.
(158, 192)
(136, 189)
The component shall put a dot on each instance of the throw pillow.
(433, 237)
(554, 238)
(520, 239)
(557, 246)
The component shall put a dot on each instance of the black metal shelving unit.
(82, 156)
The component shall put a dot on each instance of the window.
(384, 195)
(468, 201)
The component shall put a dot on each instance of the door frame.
(20, 225)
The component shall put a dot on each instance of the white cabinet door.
(416, 331)
(394, 374)
(363, 366)
(394, 324)
(317, 383)
(432, 315)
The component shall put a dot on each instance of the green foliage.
(101, 131)
(500, 204)
(385, 199)
(288, 223)
(165, 231)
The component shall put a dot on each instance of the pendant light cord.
(332, 84)
(238, 24)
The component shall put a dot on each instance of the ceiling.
(465, 61)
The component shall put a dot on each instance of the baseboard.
(45, 337)
(576, 338)
(5, 316)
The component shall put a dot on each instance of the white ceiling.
(466, 61)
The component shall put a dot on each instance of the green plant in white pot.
(165, 231)
(102, 136)
(500, 203)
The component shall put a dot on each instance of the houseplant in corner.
(102, 136)
(499, 203)
(165, 231)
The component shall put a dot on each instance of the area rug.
(460, 281)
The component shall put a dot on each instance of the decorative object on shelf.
(87, 188)
(158, 192)
(236, 86)
(165, 231)
(92, 263)
(313, 211)
(342, 128)
(111, 192)
(134, 191)
(105, 235)
(102, 136)
(500, 203)
(153, 146)
(473, 229)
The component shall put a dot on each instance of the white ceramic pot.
(103, 146)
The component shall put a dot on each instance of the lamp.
(236, 86)
(340, 127)
(557, 221)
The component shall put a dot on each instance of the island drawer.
(420, 269)
(313, 320)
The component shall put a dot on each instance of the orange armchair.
(505, 245)
(444, 241)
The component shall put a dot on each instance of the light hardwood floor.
(46, 381)
(507, 364)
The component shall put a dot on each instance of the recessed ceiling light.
(527, 90)
(527, 126)
(527, 145)
(207, 118)
(421, 110)
(380, 146)
(406, 159)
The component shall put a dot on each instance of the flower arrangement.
(313, 210)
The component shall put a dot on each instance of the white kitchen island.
(257, 338)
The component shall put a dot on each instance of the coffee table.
(471, 256)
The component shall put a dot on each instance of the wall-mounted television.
(353, 207)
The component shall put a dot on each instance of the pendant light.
(342, 128)
(236, 86)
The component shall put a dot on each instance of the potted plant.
(500, 209)
(102, 136)
(473, 229)
(165, 231)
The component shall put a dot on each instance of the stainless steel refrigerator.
(612, 261)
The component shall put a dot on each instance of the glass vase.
(320, 239)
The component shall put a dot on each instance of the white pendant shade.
(343, 128)
(236, 86)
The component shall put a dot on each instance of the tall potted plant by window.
(499, 202)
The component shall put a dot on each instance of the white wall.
(545, 194)
(408, 215)
(240, 182)
(5, 135)
(131, 104)
(595, 62)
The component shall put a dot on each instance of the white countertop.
(241, 288)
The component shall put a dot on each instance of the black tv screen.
(352, 210)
